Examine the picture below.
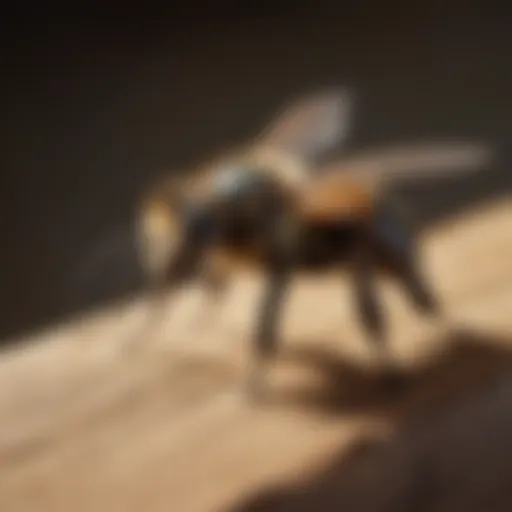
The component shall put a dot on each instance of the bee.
(296, 139)
(278, 206)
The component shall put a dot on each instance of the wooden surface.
(87, 427)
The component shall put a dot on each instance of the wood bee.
(275, 205)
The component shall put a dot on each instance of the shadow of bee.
(276, 205)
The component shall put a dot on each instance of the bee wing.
(312, 125)
(380, 166)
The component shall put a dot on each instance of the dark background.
(96, 104)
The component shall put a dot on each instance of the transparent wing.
(312, 125)
(378, 167)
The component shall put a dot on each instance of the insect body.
(284, 151)
(258, 222)
(269, 209)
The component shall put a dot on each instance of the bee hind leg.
(419, 291)
(372, 316)
(400, 249)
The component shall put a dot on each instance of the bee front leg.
(265, 341)
(163, 285)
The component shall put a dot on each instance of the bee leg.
(420, 293)
(163, 285)
(422, 296)
(372, 316)
(368, 305)
(265, 342)
(400, 249)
